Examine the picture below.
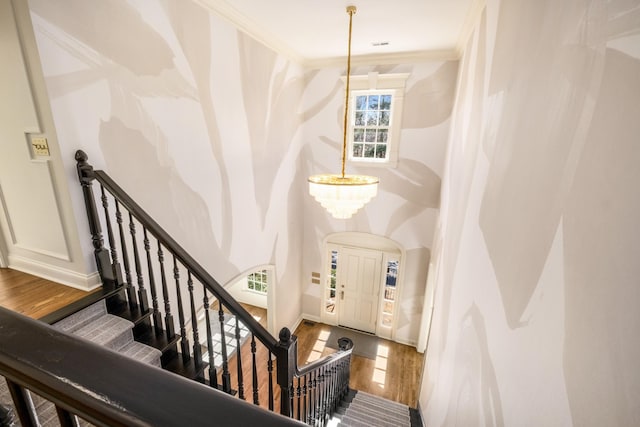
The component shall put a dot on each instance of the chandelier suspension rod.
(350, 10)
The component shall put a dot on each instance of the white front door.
(358, 285)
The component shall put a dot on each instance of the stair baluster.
(131, 295)
(213, 374)
(254, 370)
(299, 398)
(142, 292)
(66, 418)
(24, 404)
(226, 376)
(157, 316)
(115, 264)
(239, 361)
(197, 348)
(270, 372)
(314, 395)
(305, 415)
(184, 342)
(168, 317)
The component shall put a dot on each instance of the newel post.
(86, 177)
(286, 354)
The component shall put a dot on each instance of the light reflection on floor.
(380, 368)
(318, 347)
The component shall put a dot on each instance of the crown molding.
(227, 12)
(224, 10)
(470, 22)
(384, 59)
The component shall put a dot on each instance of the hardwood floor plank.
(33, 296)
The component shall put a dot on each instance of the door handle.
(341, 294)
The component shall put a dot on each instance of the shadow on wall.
(180, 211)
(601, 241)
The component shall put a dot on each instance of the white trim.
(358, 240)
(55, 274)
(392, 84)
(294, 326)
(253, 29)
(384, 59)
(470, 22)
(410, 343)
(271, 292)
(249, 27)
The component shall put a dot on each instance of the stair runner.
(366, 410)
(96, 325)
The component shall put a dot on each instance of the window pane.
(369, 150)
(392, 273)
(387, 307)
(389, 293)
(384, 118)
(372, 118)
(381, 151)
(361, 102)
(374, 101)
(357, 150)
(387, 320)
(382, 135)
(358, 135)
(370, 135)
(359, 118)
(334, 261)
(385, 102)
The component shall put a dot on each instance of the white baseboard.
(305, 317)
(56, 274)
(411, 343)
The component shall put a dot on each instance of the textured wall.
(536, 314)
(406, 207)
(194, 119)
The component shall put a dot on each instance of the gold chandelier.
(343, 195)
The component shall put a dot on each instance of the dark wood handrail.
(187, 260)
(346, 348)
(109, 389)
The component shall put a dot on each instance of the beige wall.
(536, 316)
(192, 118)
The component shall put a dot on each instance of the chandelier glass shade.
(340, 194)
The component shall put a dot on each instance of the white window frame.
(264, 283)
(383, 84)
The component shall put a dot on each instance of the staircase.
(158, 305)
(95, 325)
(361, 409)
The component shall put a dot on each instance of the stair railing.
(103, 387)
(156, 265)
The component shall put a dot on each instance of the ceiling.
(316, 30)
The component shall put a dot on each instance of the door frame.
(367, 241)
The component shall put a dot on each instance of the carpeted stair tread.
(380, 409)
(96, 325)
(142, 353)
(379, 413)
(109, 331)
(361, 409)
(374, 419)
(377, 400)
(81, 318)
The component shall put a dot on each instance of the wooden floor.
(33, 296)
(395, 374)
